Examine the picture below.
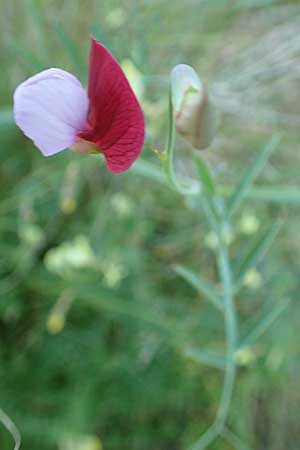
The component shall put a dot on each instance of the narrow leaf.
(257, 249)
(243, 187)
(264, 324)
(201, 285)
(233, 439)
(205, 357)
(205, 175)
(286, 195)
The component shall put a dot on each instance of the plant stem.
(218, 224)
(231, 333)
(231, 336)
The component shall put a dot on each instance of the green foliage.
(201, 285)
(255, 252)
(238, 195)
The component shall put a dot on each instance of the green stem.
(231, 336)
(217, 223)
(190, 187)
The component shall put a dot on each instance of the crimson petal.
(116, 122)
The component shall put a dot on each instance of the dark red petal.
(115, 119)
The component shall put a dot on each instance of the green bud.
(195, 117)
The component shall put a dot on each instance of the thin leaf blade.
(241, 190)
(201, 285)
(264, 324)
(205, 176)
(256, 251)
(205, 357)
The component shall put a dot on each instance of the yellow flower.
(249, 224)
(116, 18)
(252, 279)
(245, 356)
(86, 442)
(211, 240)
(55, 323)
(31, 234)
(70, 256)
(122, 205)
(113, 273)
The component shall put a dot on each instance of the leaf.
(255, 252)
(233, 439)
(264, 323)
(276, 194)
(205, 175)
(243, 187)
(201, 285)
(174, 333)
(205, 357)
(210, 201)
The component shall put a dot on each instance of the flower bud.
(195, 117)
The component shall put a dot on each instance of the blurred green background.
(94, 322)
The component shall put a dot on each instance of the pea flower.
(53, 109)
(195, 118)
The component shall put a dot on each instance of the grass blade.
(201, 285)
(243, 187)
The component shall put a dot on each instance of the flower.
(195, 117)
(249, 224)
(70, 256)
(53, 109)
(81, 442)
(252, 279)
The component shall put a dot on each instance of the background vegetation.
(100, 337)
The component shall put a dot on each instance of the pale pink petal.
(51, 108)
